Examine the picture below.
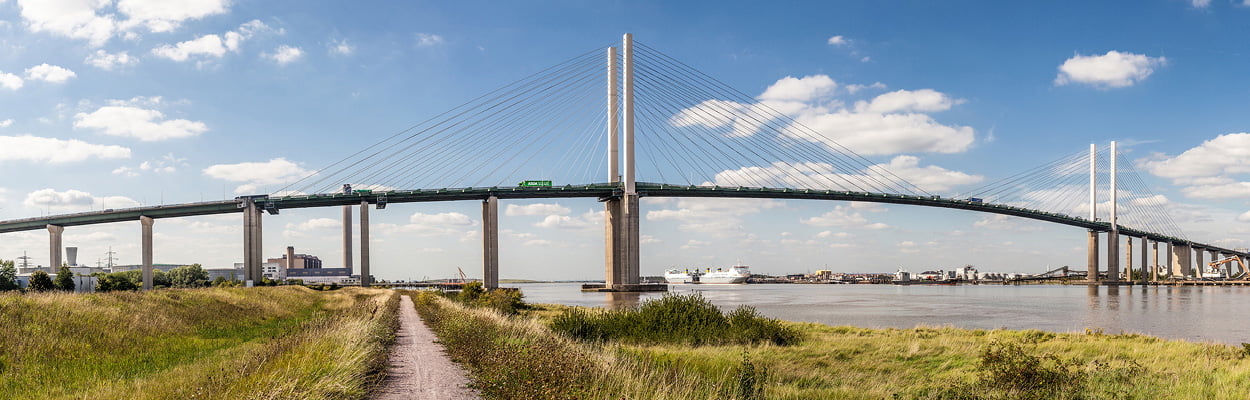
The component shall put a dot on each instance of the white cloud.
(891, 123)
(49, 73)
(6, 123)
(800, 89)
(94, 21)
(838, 41)
(441, 219)
(832, 234)
(10, 81)
(826, 176)
(342, 47)
(256, 174)
(923, 100)
(1224, 155)
(1006, 223)
(166, 15)
(108, 61)
(514, 210)
(840, 216)
(143, 124)
(72, 19)
(74, 200)
(1208, 170)
(694, 244)
(55, 151)
(284, 54)
(587, 220)
(929, 178)
(722, 217)
(167, 164)
(876, 225)
(428, 40)
(212, 45)
(643, 239)
(1205, 3)
(316, 223)
(875, 134)
(1111, 70)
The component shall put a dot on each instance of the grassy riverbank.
(217, 343)
(523, 357)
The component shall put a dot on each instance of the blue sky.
(109, 104)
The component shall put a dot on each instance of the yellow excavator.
(1241, 265)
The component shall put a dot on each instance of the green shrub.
(471, 292)
(40, 282)
(64, 279)
(751, 379)
(674, 318)
(505, 301)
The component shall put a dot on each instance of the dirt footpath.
(419, 368)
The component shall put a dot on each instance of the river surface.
(1202, 314)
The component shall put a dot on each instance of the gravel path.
(419, 369)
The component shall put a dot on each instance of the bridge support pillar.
(55, 249)
(1198, 264)
(1170, 260)
(1128, 259)
(1113, 257)
(365, 278)
(614, 249)
(490, 243)
(631, 273)
(1145, 262)
(1179, 260)
(1154, 264)
(347, 238)
(146, 243)
(252, 249)
(1091, 275)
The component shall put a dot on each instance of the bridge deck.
(598, 190)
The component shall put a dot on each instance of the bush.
(40, 282)
(471, 292)
(190, 276)
(751, 379)
(674, 318)
(64, 279)
(8, 276)
(506, 301)
(114, 282)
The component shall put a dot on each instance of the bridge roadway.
(602, 191)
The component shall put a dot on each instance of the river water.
(1202, 314)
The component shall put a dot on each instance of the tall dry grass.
(219, 343)
(512, 357)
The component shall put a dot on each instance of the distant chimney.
(290, 257)
(71, 255)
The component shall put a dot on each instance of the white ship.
(734, 274)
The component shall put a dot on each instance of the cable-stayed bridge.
(664, 129)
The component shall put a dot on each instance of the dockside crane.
(1241, 266)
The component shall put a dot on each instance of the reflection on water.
(1191, 313)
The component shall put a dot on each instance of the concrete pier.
(1154, 264)
(55, 248)
(1169, 260)
(365, 279)
(614, 249)
(1199, 266)
(1128, 258)
(1145, 262)
(146, 222)
(347, 237)
(1092, 258)
(252, 250)
(1113, 257)
(490, 243)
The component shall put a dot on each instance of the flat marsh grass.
(523, 357)
(213, 343)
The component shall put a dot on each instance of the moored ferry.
(734, 274)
